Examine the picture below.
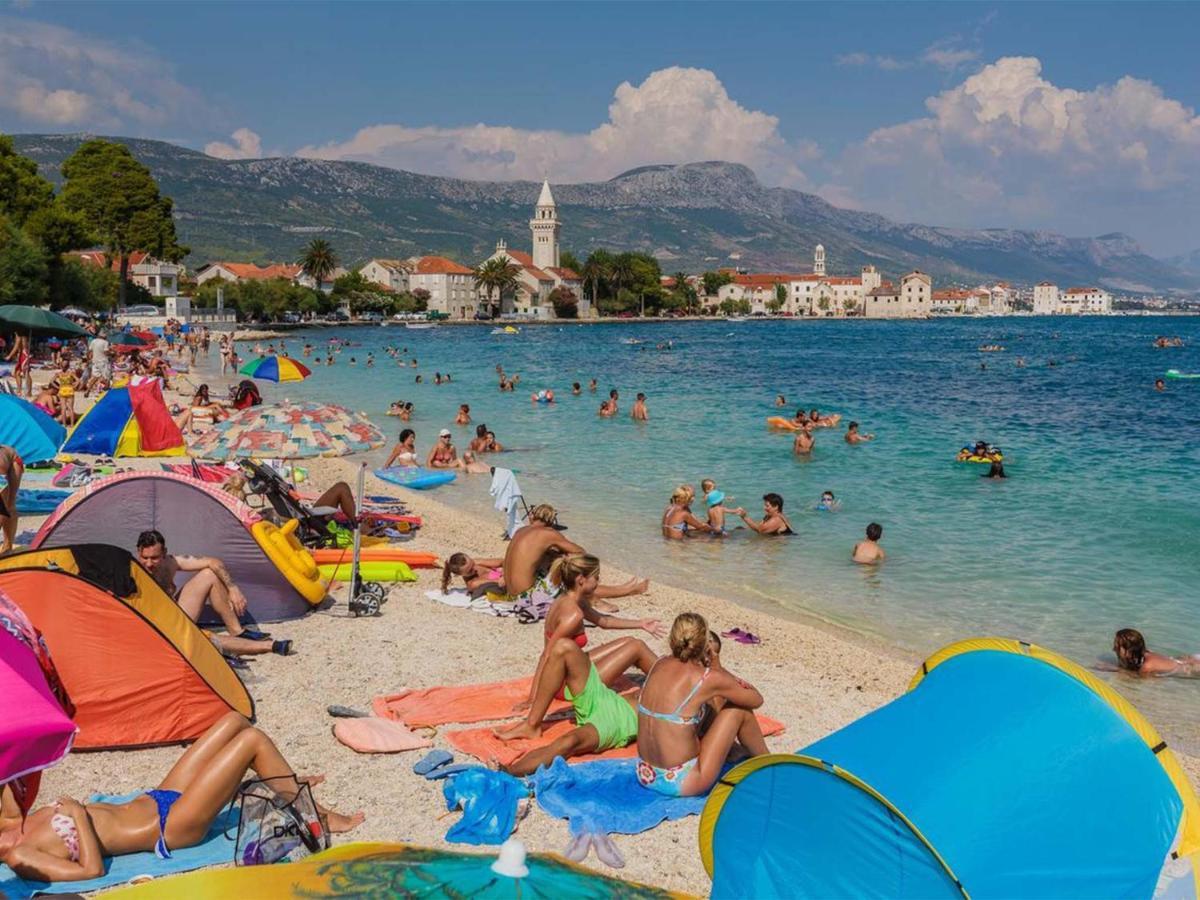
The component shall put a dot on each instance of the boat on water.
(737, 319)
(420, 326)
(507, 329)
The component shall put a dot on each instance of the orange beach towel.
(465, 703)
(483, 745)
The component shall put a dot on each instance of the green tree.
(776, 303)
(823, 304)
(22, 267)
(595, 272)
(318, 261)
(623, 272)
(22, 190)
(851, 307)
(568, 260)
(566, 304)
(119, 201)
(714, 281)
(497, 276)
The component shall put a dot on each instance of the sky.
(1075, 117)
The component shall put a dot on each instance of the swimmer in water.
(464, 415)
(996, 470)
(803, 443)
(828, 503)
(592, 385)
(854, 437)
(479, 442)
(773, 521)
(780, 400)
(576, 390)
(1132, 656)
(639, 412)
(1159, 384)
(869, 552)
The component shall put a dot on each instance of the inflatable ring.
(972, 458)
(291, 558)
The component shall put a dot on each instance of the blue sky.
(1076, 117)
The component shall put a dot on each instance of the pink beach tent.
(35, 732)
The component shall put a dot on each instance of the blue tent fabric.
(99, 431)
(604, 797)
(214, 850)
(1024, 780)
(28, 429)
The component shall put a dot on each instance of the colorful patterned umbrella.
(399, 870)
(276, 368)
(288, 431)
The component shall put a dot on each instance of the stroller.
(314, 521)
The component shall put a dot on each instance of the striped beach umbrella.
(276, 368)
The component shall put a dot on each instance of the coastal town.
(536, 286)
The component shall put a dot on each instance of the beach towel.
(489, 804)
(485, 746)
(214, 850)
(464, 703)
(371, 734)
(462, 600)
(605, 797)
(507, 493)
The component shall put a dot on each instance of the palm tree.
(596, 270)
(621, 272)
(496, 275)
(318, 261)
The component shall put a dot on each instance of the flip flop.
(283, 648)
(450, 769)
(579, 847)
(432, 760)
(237, 662)
(252, 634)
(346, 712)
(742, 637)
(607, 852)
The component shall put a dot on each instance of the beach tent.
(128, 421)
(28, 429)
(196, 518)
(137, 669)
(1004, 771)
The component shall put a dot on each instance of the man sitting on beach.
(773, 520)
(210, 586)
(868, 551)
(531, 551)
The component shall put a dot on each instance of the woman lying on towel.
(691, 714)
(604, 718)
(68, 841)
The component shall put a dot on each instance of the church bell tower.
(544, 226)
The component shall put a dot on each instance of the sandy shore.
(814, 681)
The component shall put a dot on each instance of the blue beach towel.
(489, 803)
(214, 850)
(604, 797)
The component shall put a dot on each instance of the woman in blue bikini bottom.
(68, 841)
(674, 758)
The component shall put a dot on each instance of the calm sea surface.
(1096, 528)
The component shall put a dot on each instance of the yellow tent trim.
(724, 787)
(1189, 832)
(130, 442)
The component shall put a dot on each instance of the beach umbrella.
(400, 870)
(35, 731)
(126, 339)
(276, 368)
(29, 430)
(74, 312)
(42, 322)
(288, 431)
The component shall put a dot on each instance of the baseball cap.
(445, 432)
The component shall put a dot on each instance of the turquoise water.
(1095, 529)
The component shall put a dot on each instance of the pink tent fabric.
(35, 733)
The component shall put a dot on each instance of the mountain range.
(692, 217)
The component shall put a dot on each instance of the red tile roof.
(566, 274)
(96, 258)
(764, 279)
(519, 257)
(440, 265)
(1082, 290)
(258, 273)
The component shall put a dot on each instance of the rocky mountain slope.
(692, 217)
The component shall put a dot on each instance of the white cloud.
(873, 60)
(55, 76)
(942, 54)
(246, 145)
(948, 57)
(1006, 146)
(676, 115)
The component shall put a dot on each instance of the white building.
(1085, 301)
(451, 286)
(389, 273)
(1045, 298)
(913, 299)
(539, 273)
(160, 278)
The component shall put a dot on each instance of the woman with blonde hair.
(566, 672)
(674, 758)
(677, 518)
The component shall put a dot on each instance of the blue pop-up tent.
(28, 429)
(1005, 771)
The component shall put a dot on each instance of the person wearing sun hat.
(443, 455)
(714, 499)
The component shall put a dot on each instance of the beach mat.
(464, 704)
(485, 746)
(214, 850)
(605, 797)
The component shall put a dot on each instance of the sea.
(1097, 526)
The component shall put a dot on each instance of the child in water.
(714, 500)
(1132, 656)
(828, 503)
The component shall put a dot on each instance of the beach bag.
(271, 829)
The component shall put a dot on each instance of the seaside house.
(238, 272)
(1045, 298)
(451, 285)
(1085, 301)
(160, 278)
(388, 273)
(326, 286)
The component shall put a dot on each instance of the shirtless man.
(12, 467)
(869, 552)
(211, 586)
(480, 440)
(854, 437)
(535, 546)
(442, 455)
(773, 519)
(639, 413)
(473, 466)
(804, 440)
(608, 408)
